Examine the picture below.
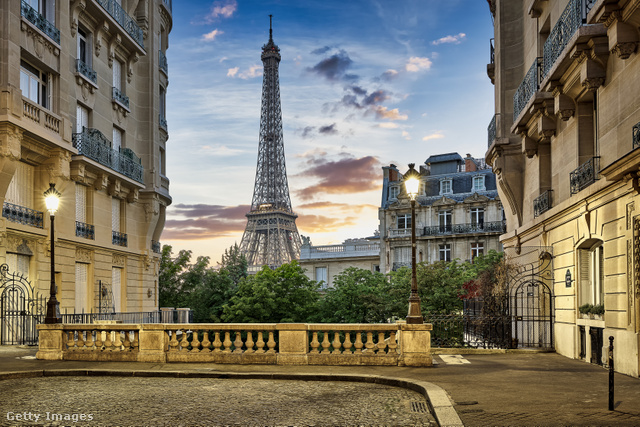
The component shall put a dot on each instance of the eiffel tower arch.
(271, 237)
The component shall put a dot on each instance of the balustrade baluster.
(271, 343)
(358, 342)
(382, 344)
(249, 343)
(99, 340)
(127, 341)
(347, 342)
(393, 344)
(325, 342)
(117, 344)
(195, 342)
(135, 343)
(238, 343)
(217, 343)
(315, 343)
(227, 342)
(260, 343)
(107, 341)
(173, 344)
(70, 342)
(369, 344)
(205, 341)
(184, 342)
(336, 343)
(80, 341)
(89, 341)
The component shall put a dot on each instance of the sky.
(363, 84)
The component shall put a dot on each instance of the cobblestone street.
(206, 401)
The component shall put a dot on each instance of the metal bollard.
(611, 373)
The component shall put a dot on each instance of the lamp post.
(52, 199)
(411, 185)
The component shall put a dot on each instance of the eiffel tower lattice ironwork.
(271, 237)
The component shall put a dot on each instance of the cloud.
(307, 131)
(455, 39)
(201, 221)
(253, 71)
(224, 9)
(347, 175)
(387, 125)
(209, 37)
(323, 224)
(384, 113)
(321, 50)
(334, 68)
(406, 135)
(224, 58)
(389, 75)
(417, 63)
(435, 135)
(328, 130)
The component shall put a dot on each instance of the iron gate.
(21, 309)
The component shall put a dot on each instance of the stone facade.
(82, 105)
(563, 144)
(458, 213)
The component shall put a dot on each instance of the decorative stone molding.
(101, 182)
(146, 260)
(84, 255)
(100, 33)
(564, 106)
(133, 195)
(593, 84)
(150, 209)
(10, 142)
(476, 198)
(40, 42)
(529, 147)
(443, 201)
(118, 260)
(116, 40)
(58, 165)
(120, 111)
(76, 7)
(133, 58)
(19, 245)
(115, 188)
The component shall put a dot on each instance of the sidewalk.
(491, 389)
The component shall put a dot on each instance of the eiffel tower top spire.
(271, 236)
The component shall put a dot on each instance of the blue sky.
(363, 84)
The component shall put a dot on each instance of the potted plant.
(585, 310)
(597, 311)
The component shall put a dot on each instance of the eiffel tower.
(271, 237)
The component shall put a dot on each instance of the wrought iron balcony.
(118, 238)
(527, 89)
(168, 5)
(573, 17)
(86, 71)
(585, 175)
(491, 130)
(22, 215)
(124, 20)
(163, 121)
(480, 227)
(162, 62)
(120, 97)
(85, 230)
(155, 247)
(492, 51)
(399, 265)
(93, 144)
(542, 203)
(636, 136)
(33, 16)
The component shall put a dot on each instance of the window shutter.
(584, 279)
(82, 118)
(116, 283)
(81, 203)
(115, 214)
(117, 75)
(117, 139)
(81, 287)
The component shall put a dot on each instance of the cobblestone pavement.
(206, 401)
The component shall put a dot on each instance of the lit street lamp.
(411, 185)
(52, 199)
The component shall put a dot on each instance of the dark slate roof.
(443, 158)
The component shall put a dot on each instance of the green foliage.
(597, 309)
(285, 294)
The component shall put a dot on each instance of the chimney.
(470, 164)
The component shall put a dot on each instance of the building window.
(445, 252)
(478, 183)
(163, 162)
(116, 288)
(477, 217)
(321, 277)
(404, 221)
(18, 263)
(82, 274)
(84, 47)
(115, 214)
(393, 192)
(82, 118)
(46, 8)
(446, 186)
(591, 275)
(81, 203)
(444, 220)
(163, 103)
(117, 138)
(35, 84)
(477, 249)
(20, 190)
(117, 75)
(401, 257)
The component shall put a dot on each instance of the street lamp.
(52, 200)
(412, 184)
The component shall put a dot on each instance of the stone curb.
(488, 351)
(436, 397)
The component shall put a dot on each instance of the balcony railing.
(118, 238)
(155, 247)
(162, 62)
(480, 227)
(120, 97)
(404, 232)
(168, 5)
(636, 136)
(124, 20)
(22, 215)
(573, 17)
(163, 121)
(86, 71)
(585, 175)
(85, 230)
(491, 130)
(527, 89)
(93, 144)
(32, 15)
(40, 115)
(492, 51)
(542, 203)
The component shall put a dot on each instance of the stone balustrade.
(391, 344)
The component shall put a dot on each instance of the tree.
(170, 291)
(235, 263)
(285, 294)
